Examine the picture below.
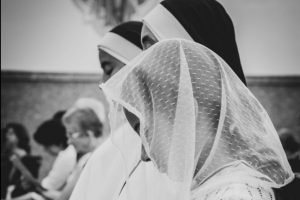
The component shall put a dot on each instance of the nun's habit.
(199, 124)
(123, 41)
(204, 21)
(105, 173)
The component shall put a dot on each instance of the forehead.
(72, 126)
(106, 57)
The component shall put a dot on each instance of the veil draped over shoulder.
(197, 119)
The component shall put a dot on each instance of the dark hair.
(59, 115)
(22, 135)
(51, 132)
(288, 141)
(86, 119)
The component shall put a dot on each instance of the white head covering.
(119, 47)
(203, 21)
(123, 41)
(197, 118)
(164, 25)
(90, 103)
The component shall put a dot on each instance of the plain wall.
(268, 35)
(43, 35)
(47, 36)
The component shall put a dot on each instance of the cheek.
(105, 77)
(117, 67)
(83, 143)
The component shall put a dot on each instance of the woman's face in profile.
(109, 64)
(148, 38)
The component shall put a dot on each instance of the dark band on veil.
(208, 23)
(130, 31)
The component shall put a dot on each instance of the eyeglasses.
(75, 135)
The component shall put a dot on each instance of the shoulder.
(67, 156)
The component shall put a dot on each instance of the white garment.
(197, 117)
(61, 169)
(79, 166)
(104, 173)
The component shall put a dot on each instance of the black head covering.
(131, 31)
(208, 23)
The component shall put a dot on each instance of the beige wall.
(47, 35)
(43, 35)
(268, 35)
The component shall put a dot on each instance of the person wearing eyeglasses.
(84, 123)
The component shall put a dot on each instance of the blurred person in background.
(4, 166)
(17, 140)
(71, 136)
(51, 134)
(20, 167)
(84, 123)
(290, 139)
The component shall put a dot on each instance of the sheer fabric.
(197, 119)
(203, 21)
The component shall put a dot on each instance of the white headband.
(164, 25)
(119, 47)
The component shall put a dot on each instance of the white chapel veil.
(197, 118)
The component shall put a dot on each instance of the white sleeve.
(61, 170)
(101, 175)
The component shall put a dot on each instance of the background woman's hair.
(51, 132)
(86, 119)
(22, 135)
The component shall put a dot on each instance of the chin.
(145, 158)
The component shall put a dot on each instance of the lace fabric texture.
(238, 191)
(196, 117)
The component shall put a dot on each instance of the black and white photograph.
(150, 99)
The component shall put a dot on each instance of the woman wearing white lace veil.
(199, 124)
